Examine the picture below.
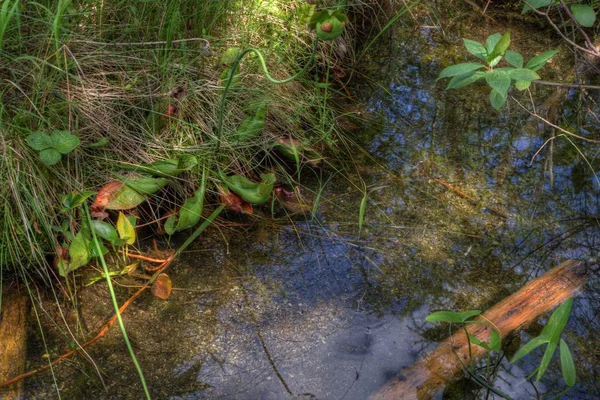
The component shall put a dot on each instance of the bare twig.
(544, 120)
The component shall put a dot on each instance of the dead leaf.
(162, 287)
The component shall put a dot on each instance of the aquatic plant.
(499, 79)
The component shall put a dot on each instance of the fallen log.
(13, 324)
(429, 375)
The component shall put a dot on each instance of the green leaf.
(514, 58)
(491, 42)
(476, 49)
(171, 167)
(497, 100)
(566, 364)
(94, 251)
(459, 69)
(228, 57)
(79, 252)
(189, 215)
(500, 47)
(584, 15)
(465, 79)
(39, 141)
(105, 230)
(64, 141)
(252, 192)
(540, 60)
(499, 81)
(251, 126)
(100, 143)
(50, 156)
(451, 316)
(523, 74)
(72, 200)
(528, 348)
(144, 184)
(495, 340)
(125, 229)
(546, 358)
(522, 85)
(535, 4)
(124, 198)
(330, 29)
(328, 23)
(475, 340)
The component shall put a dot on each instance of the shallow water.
(316, 309)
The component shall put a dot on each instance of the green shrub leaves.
(52, 147)
(499, 79)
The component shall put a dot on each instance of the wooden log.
(13, 335)
(428, 376)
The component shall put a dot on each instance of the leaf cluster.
(52, 147)
(499, 79)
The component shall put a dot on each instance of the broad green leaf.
(330, 29)
(451, 316)
(500, 47)
(252, 192)
(79, 252)
(584, 14)
(39, 141)
(144, 184)
(251, 126)
(459, 69)
(523, 74)
(497, 100)
(105, 230)
(499, 81)
(522, 85)
(540, 60)
(64, 141)
(465, 79)
(50, 156)
(566, 364)
(124, 198)
(476, 49)
(495, 61)
(535, 4)
(189, 215)
(514, 58)
(328, 23)
(125, 229)
(491, 42)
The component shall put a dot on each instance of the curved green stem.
(265, 70)
(115, 304)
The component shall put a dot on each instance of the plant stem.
(116, 305)
(265, 70)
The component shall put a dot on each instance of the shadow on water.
(462, 211)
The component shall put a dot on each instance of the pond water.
(462, 210)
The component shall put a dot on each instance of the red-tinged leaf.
(234, 202)
(116, 195)
(104, 195)
(162, 287)
(172, 110)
